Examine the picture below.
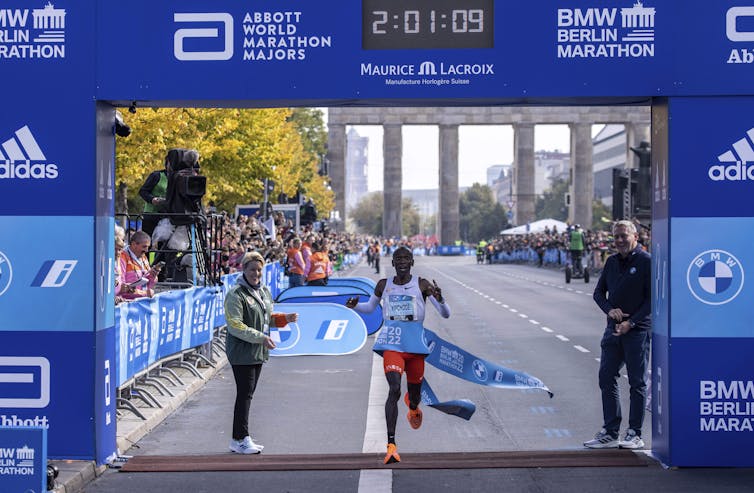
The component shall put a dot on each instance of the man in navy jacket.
(623, 294)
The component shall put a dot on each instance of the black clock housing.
(427, 24)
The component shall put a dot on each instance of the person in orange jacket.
(320, 267)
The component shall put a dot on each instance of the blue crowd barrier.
(151, 329)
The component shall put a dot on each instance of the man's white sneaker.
(631, 440)
(243, 447)
(602, 439)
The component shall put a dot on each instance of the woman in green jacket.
(248, 314)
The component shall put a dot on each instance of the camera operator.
(183, 203)
(185, 187)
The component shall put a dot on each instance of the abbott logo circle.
(715, 277)
(6, 273)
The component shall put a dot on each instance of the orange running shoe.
(414, 418)
(392, 454)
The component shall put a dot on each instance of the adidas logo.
(22, 158)
(741, 159)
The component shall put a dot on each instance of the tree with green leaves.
(481, 218)
(369, 211)
(551, 204)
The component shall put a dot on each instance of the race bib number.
(401, 307)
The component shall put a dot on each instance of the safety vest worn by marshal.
(319, 265)
(403, 311)
(577, 239)
(293, 267)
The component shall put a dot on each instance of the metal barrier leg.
(122, 403)
(171, 372)
(187, 366)
(203, 358)
(156, 373)
(156, 384)
(142, 393)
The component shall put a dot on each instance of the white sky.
(480, 146)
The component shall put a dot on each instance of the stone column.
(582, 174)
(523, 174)
(448, 215)
(392, 151)
(336, 155)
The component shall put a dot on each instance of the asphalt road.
(521, 317)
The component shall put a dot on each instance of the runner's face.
(402, 261)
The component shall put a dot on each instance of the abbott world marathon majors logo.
(22, 158)
(606, 32)
(268, 36)
(32, 33)
(715, 277)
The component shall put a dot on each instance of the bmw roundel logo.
(285, 337)
(715, 277)
(480, 371)
(6, 273)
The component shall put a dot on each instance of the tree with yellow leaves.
(239, 148)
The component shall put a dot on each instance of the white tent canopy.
(536, 227)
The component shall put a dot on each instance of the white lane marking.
(523, 315)
(546, 329)
(513, 310)
(531, 320)
(376, 480)
(581, 348)
(562, 338)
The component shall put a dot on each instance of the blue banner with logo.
(46, 273)
(712, 406)
(718, 167)
(32, 377)
(23, 459)
(449, 49)
(710, 283)
(373, 320)
(462, 364)
(322, 329)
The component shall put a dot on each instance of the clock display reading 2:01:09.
(427, 24)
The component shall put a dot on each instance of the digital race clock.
(426, 24)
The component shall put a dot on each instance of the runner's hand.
(352, 302)
(437, 292)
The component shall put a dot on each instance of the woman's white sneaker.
(243, 446)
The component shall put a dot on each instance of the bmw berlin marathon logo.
(715, 277)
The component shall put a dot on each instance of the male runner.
(401, 339)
